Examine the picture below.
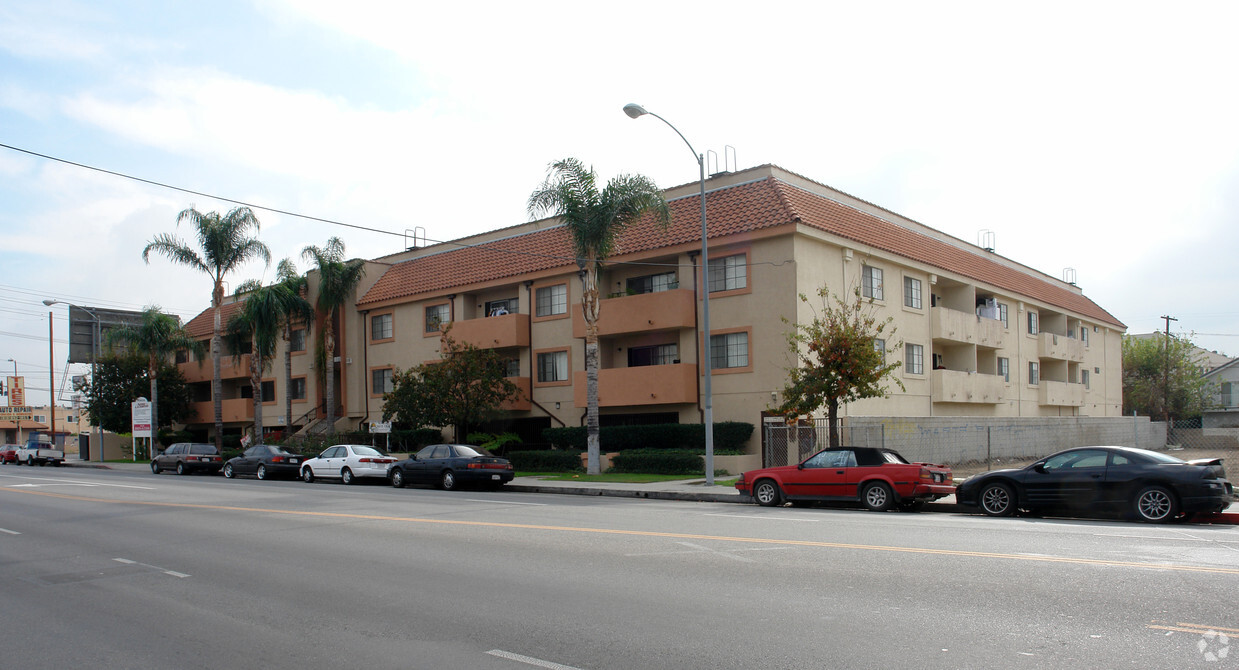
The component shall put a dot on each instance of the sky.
(1096, 136)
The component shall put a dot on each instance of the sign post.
(382, 427)
(140, 410)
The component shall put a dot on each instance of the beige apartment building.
(982, 335)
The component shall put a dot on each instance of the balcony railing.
(1059, 347)
(644, 312)
(228, 369)
(234, 410)
(644, 385)
(1060, 394)
(967, 387)
(493, 332)
(955, 326)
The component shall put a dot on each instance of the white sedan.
(347, 462)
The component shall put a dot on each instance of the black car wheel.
(154, 467)
(307, 475)
(261, 473)
(1156, 504)
(878, 497)
(180, 469)
(397, 478)
(447, 481)
(30, 461)
(228, 470)
(346, 476)
(997, 499)
(911, 505)
(767, 493)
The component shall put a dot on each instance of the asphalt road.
(109, 569)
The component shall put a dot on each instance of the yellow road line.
(650, 533)
(1193, 628)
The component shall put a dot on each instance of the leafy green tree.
(264, 313)
(156, 339)
(1162, 378)
(224, 245)
(464, 389)
(337, 283)
(837, 360)
(595, 219)
(121, 378)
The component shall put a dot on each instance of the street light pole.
(634, 111)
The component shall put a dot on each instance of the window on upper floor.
(914, 359)
(659, 354)
(871, 282)
(1002, 315)
(296, 340)
(879, 345)
(728, 273)
(651, 283)
(182, 356)
(1084, 378)
(380, 381)
(502, 306)
(512, 367)
(1034, 323)
(298, 388)
(553, 366)
(551, 300)
(729, 350)
(912, 292)
(1034, 373)
(436, 316)
(1004, 369)
(1084, 335)
(381, 327)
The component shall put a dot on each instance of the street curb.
(1221, 518)
(87, 464)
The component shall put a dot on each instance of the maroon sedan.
(8, 453)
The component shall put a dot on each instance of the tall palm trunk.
(256, 385)
(152, 372)
(288, 379)
(329, 343)
(589, 310)
(217, 384)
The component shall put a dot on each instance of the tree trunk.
(288, 380)
(329, 343)
(217, 386)
(832, 422)
(153, 373)
(256, 385)
(589, 310)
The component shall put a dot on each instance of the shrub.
(553, 460)
(658, 462)
(729, 437)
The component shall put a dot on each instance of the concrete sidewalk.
(692, 490)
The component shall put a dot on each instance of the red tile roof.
(742, 208)
(202, 325)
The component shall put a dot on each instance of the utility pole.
(1166, 372)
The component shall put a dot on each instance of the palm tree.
(337, 281)
(259, 322)
(296, 310)
(159, 336)
(595, 220)
(225, 245)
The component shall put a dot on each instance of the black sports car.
(1149, 485)
(264, 461)
(450, 466)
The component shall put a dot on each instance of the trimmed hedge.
(555, 460)
(658, 462)
(729, 437)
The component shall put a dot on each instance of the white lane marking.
(716, 552)
(153, 567)
(529, 660)
(124, 560)
(504, 502)
(175, 574)
(764, 517)
(71, 482)
(10, 532)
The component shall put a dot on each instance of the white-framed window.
(1034, 323)
(553, 366)
(297, 389)
(871, 282)
(729, 350)
(551, 300)
(1084, 378)
(1004, 369)
(1034, 373)
(436, 316)
(728, 273)
(381, 326)
(879, 345)
(658, 354)
(914, 359)
(296, 340)
(380, 381)
(912, 292)
(1084, 335)
(1002, 315)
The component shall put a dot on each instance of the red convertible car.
(880, 479)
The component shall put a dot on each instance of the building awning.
(7, 425)
(26, 424)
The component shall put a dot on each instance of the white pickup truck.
(40, 451)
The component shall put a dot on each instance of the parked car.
(8, 453)
(264, 461)
(347, 462)
(450, 466)
(880, 479)
(1148, 485)
(40, 450)
(187, 457)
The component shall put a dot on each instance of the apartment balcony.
(645, 312)
(234, 409)
(1059, 347)
(967, 387)
(952, 325)
(522, 402)
(228, 369)
(1060, 394)
(493, 332)
(644, 385)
